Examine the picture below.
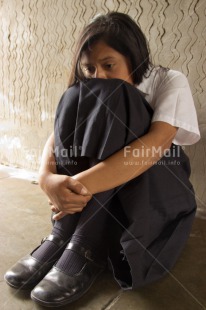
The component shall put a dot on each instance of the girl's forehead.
(99, 51)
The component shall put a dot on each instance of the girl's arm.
(125, 164)
(107, 174)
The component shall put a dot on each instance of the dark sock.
(71, 262)
(90, 232)
(64, 229)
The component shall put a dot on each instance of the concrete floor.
(25, 220)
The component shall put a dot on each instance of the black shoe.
(28, 271)
(58, 289)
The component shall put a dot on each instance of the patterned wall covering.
(37, 42)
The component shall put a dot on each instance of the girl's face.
(102, 61)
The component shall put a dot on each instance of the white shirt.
(168, 92)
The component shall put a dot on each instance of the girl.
(112, 203)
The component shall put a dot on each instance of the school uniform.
(151, 215)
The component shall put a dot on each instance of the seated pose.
(114, 170)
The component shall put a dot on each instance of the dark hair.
(119, 31)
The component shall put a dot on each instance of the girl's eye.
(109, 66)
(89, 69)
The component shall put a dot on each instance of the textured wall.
(37, 41)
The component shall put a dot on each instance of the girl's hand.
(65, 194)
(59, 214)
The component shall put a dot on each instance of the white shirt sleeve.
(173, 103)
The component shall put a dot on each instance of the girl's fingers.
(71, 200)
(58, 216)
(61, 214)
(67, 209)
(76, 200)
(54, 209)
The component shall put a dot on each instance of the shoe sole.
(63, 303)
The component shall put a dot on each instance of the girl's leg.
(84, 258)
(88, 228)
(90, 232)
(63, 228)
(102, 121)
